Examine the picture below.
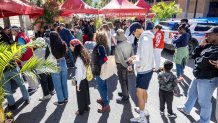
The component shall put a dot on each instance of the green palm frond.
(40, 65)
(39, 42)
(4, 47)
(48, 66)
(31, 64)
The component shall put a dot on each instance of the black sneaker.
(173, 115)
(161, 113)
(31, 90)
(65, 100)
(59, 103)
(26, 102)
(13, 107)
(120, 94)
(122, 100)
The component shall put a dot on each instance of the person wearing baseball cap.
(144, 62)
(206, 77)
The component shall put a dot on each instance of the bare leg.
(140, 96)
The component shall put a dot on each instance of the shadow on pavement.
(165, 119)
(20, 104)
(132, 88)
(127, 113)
(35, 116)
(56, 115)
(112, 85)
(82, 118)
(104, 117)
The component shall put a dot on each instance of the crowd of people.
(136, 49)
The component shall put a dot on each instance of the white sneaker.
(137, 110)
(45, 97)
(139, 120)
(181, 109)
(146, 112)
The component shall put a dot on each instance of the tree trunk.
(6, 22)
(186, 8)
(155, 2)
(21, 22)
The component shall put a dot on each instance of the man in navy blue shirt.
(67, 37)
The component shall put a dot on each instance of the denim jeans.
(203, 90)
(60, 80)
(179, 69)
(7, 86)
(217, 105)
(102, 88)
(191, 96)
(70, 54)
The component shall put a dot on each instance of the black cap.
(134, 26)
(212, 30)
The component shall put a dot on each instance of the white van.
(197, 28)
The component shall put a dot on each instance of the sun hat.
(120, 36)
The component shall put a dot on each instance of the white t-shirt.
(130, 38)
(80, 73)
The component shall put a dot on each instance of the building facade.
(197, 8)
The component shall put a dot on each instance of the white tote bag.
(109, 68)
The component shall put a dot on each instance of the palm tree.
(13, 52)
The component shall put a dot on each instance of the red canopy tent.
(122, 8)
(77, 7)
(143, 4)
(18, 7)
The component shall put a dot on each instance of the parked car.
(198, 27)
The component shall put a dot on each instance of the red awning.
(122, 8)
(18, 7)
(143, 4)
(76, 7)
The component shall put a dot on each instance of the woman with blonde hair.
(113, 40)
(99, 57)
(105, 28)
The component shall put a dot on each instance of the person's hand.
(133, 57)
(203, 43)
(129, 68)
(130, 61)
(215, 63)
(77, 88)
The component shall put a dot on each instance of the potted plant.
(13, 52)
(9, 118)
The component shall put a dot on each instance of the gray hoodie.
(144, 57)
(168, 82)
